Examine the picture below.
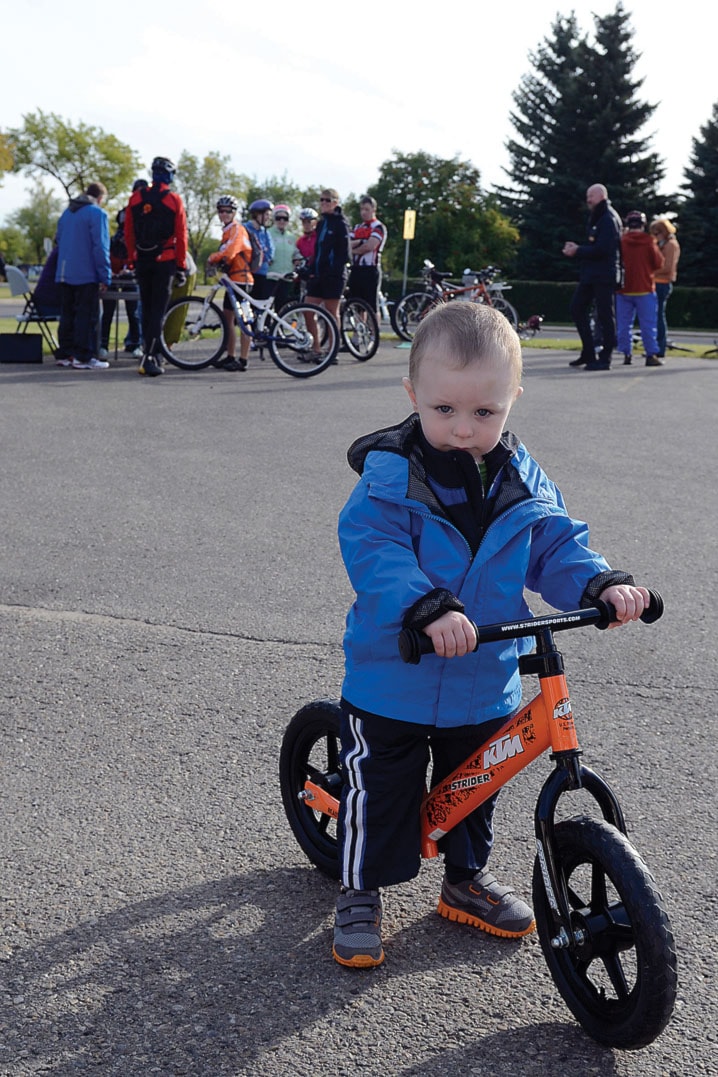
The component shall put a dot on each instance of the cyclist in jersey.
(367, 241)
(234, 257)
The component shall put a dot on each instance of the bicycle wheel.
(504, 307)
(620, 981)
(310, 749)
(409, 311)
(292, 346)
(360, 329)
(193, 334)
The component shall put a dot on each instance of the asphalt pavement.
(171, 592)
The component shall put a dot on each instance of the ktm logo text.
(501, 749)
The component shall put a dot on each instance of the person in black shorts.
(326, 285)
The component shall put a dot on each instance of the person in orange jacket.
(234, 256)
(156, 239)
(641, 259)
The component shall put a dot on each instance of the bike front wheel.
(310, 750)
(409, 311)
(619, 980)
(305, 341)
(193, 334)
(504, 307)
(360, 329)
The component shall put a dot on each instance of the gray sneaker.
(357, 929)
(484, 903)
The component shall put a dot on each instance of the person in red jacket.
(156, 238)
(641, 259)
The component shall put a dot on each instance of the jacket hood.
(82, 200)
(637, 239)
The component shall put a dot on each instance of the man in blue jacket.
(83, 273)
(599, 276)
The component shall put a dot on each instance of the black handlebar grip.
(412, 644)
(653, 612)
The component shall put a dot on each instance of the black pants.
(134, 333)
(385, 764)
(603, 296)
(364, 284)
(79, 318)
(155, 283)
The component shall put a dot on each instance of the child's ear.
(410, 390)
(519, 391)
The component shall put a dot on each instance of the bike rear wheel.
(193, 333)
(360, 329)
(409, 311)
(620, 982)
(292, 345)
(310, 749)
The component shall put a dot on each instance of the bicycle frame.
(545, 722)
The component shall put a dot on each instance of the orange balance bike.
(602, 924)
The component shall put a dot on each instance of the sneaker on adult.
(600, 364)
(627, 360)
(230, 363)
(89, 364)
(103, 354)
(482, 902)
(357, 929)
(581, 361)
(150, 367)
(654, 360)
(63, 361)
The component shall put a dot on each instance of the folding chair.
(20, 285)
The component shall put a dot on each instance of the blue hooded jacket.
(399, 546)
(83, 240)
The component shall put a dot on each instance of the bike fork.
(569, 775)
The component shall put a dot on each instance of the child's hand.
(452, 635)
(630, 602)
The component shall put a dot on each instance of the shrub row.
(688, 308)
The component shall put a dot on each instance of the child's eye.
(444, 409)
(483, 412)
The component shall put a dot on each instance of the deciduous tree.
(38, 219)
(200, 183)
(457, 224)
(73, 154)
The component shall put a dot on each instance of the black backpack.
(153, 219)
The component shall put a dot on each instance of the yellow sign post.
(409, 229)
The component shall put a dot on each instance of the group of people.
(625, 272)
(153, 233)
(262, 255)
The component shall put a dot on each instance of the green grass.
(698, 351)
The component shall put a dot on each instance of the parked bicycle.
(477, 287)
(358, 324)
(194, 332)
(602, 925)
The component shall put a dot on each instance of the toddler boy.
(450, 521)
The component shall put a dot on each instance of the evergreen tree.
(698, 217)
(577, 120)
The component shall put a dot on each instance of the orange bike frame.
(545, 722)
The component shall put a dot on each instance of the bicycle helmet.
(227, 201)
(282, 209)
(308, 215)
(261, 205)
(163, 164)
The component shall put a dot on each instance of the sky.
(326, 93)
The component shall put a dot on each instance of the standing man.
(285, 252)
(637, 297)
(599, 276)
(367, 240)
(83, 273)
(156, 239)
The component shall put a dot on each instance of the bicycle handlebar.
(413, 643)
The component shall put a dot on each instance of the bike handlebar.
(413, 643)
